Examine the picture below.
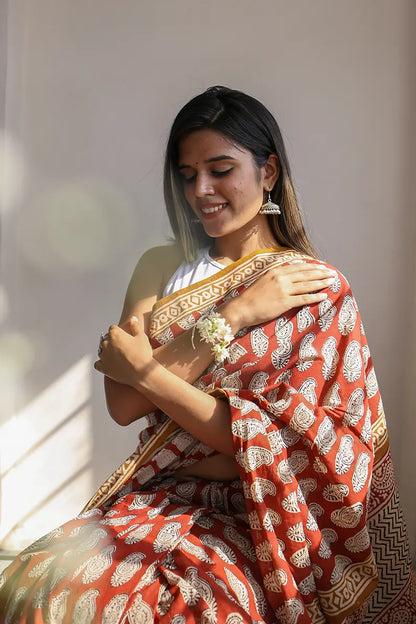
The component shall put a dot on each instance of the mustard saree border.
(207, 292)
(129, 467)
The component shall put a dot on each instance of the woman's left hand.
(124, 355)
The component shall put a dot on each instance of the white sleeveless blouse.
(191, 272)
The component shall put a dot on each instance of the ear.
(271, 171)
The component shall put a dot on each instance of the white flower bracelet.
(214, 329)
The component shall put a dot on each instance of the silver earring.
(269, 207)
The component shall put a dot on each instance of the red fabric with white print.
(303, 397)
(301, 538)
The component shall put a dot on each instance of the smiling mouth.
(211, 209)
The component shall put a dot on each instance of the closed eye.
(216, 174)
(219, 174)
(189, 179)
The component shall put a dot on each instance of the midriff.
(218, 467)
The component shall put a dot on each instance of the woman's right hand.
(276, 292)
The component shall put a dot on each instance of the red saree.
(311, 532)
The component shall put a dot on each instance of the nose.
(203, 186)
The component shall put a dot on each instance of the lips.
(212, 208)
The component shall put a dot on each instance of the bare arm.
(128, 403)
(125, 403)
(202, 415)
(128, 359)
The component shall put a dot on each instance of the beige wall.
(91, 89)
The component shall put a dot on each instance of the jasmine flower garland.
(214, 329)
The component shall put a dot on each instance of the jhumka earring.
(269, 207)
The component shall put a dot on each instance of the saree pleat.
(311, 532)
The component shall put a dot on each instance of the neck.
(232, 248)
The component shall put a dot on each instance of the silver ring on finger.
(100, 346)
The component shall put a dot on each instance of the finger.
(134, 325)
(294, 267)
(126, 327)
(302, 272)
(300, 288)
(113, 332)
(309, 299)
(308, 276)
(98, 365)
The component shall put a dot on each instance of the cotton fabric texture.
(191, 272)
(312, 532)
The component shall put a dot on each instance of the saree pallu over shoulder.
(171, 316)
(316, 492)
(311, 443)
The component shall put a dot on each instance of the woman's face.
(221, 182)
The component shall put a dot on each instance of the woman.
(262, 487)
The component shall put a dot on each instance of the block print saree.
(312, 530)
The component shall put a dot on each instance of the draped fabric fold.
(312, 531)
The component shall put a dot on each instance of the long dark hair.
(247, 123)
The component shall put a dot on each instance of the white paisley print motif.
(345, 455)
(360, 476)
(347, 316)
(326, 436)
(127, 569)
(307, 352)
(355, 408)
(167, 536)
(96, 566)
(259, 342)
(352, 361)
(304, 319)
(332, 397)
(348, 516)
(307, 389)
(331, 357)
(327, 313)
(114, 609)
(302, 419)
(283, 331)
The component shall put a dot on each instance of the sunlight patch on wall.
(12, 172)
(76, 226)
(45, 453)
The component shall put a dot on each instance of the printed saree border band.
(359, 579)
(129, 467)
(207, 292)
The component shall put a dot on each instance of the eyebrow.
(210, 160)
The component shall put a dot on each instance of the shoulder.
(150, 275)
(341, 286)
(158, 261)
(157, 257)
(339, 307)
